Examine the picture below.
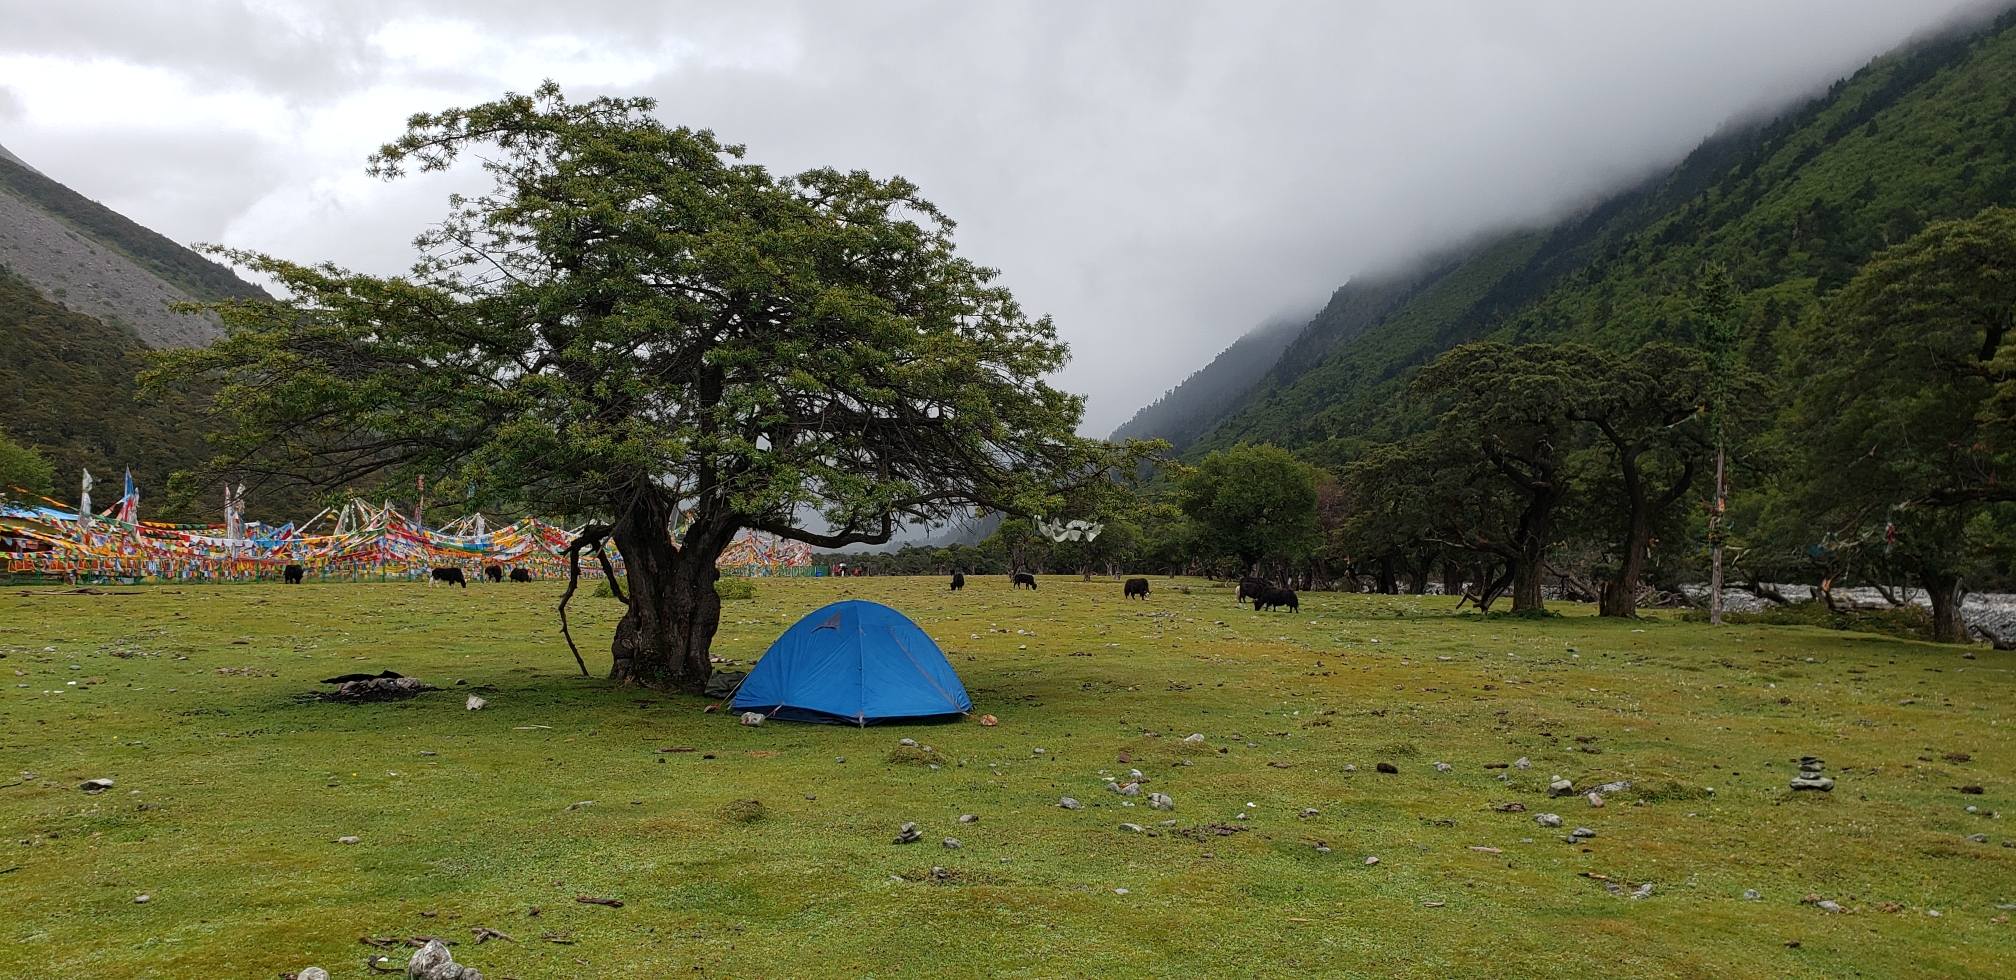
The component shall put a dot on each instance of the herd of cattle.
(1262, 593)
(450, 574)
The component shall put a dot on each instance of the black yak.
(958, 581)
(292, 574)
(449, 574)
(1020, 579)
(1136, 587)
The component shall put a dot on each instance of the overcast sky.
(1158, 176)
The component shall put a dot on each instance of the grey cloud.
(1158, 176)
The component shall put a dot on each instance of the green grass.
(243, 787)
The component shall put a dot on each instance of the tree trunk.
(1452, 578)
(1620, 594)
(1389, 579)
(1945, 591)
(662, 641)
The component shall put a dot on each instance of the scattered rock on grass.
(1582, 833)
(142, 899)
(1443, 767)
(474, 703)
(753, 719)
(1371, 861)
(969, 818)
(951, 843)
(1132, 827)
(1387, 767)
(1547, 819)
(1752, 895)
(1523, 763)
(349, 840)
(1561, 787)
(1596, 799)
(909, 834)
(95, 786)
(1070, 804)
(312, 973)
(433, 962)
(1161, 801)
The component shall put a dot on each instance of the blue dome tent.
(854, 663)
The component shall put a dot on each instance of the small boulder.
(1371, 861)
(1616, 787)
(95, 786)
(951, 843)
(1443, 767)
(969, 818)
(1752, 895)
(909, 834)
(754, 719)
(908, 743)
(349, 840)
(1547, 819)
(312, 973)
(1161, 801)
(1582, 833)
(1070, 804)
(142, 899)
(1561, 787)
(1596, 799)
(1195, 738)
(434, 962)
(1523, 763)
(474, 703)
(1132, 827)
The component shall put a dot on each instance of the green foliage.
(740, 589)
(1907, 622)
(24, 469)
(1898, 421)
(636, 325)
(1255, 502)
(68, 391)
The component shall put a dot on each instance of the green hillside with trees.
(68, 390)
(1783, 360)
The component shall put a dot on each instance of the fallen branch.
(485, 934)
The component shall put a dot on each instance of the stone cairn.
(1809, 776)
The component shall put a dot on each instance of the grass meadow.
(760, 854)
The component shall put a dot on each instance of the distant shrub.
(1908, 622)
(735, 588)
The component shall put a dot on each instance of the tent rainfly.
(854, 663)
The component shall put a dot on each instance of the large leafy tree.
(1646, 409)
(1255, 502)
(1901, 414)
(636, 324)
(1498, 459)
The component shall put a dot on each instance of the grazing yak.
(292, 574)
(1137, 587)
(520, 575)
(1253, 588)
(1276, 598)
(1020, 579)
(494, 573)
(449, 574)
(958, 581)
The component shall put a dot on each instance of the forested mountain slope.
(67, 389)
(1192, 407)
(93, 260)
(1793, 208)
